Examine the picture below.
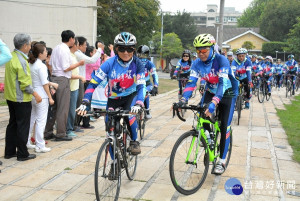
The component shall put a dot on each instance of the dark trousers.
(60, 108)
(226, 109)
(17, 130)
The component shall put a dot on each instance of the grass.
(166, 85)
(290, 119)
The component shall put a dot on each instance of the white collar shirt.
(61, 60)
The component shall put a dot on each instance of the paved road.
(261, 156)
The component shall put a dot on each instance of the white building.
(45, 20)
(211, 17)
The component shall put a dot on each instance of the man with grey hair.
(18, 92)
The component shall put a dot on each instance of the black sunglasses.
(123, 49)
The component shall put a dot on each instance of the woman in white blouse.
(41, 85)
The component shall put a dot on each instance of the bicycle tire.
(141, 118)
(287, 89)
(183, 180)
(267, 93)
(261, 93)
(103, 186)
(131, 160)
(239, 108)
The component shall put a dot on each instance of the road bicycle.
(263, 89)
(114, 150)
(191, 154)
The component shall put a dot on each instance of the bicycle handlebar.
(197, 108)
(116, 112)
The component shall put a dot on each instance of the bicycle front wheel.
(189, 163)
(239, 107)
(131, 160)
(105, 188)
(261, 93)
(287, 89)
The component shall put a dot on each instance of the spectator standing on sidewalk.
(80, 55)
(74, 86)
(18, 92)
(5, 56)
(61, 73)
(41, 85)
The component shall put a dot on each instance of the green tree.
(140, 17)
(171, 48)
(251, 16)
(294, 38)
(278, 18)
(183, 25)
(248, 45)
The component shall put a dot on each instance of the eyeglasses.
(127, 49)
(202, 50)
(185, 56)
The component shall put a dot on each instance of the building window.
(210, 18)
(211, 10)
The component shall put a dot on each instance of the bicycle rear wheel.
(188, 170)
(106, 189)
(131, 160)
(261, 92)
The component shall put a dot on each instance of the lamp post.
(276, 54)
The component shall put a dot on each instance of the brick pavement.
(261, 155)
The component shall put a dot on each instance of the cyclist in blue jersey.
(268, 70)
(241, 66)
(126, 83)
(230, 57)
(183, 69)
(221, 89)
(143, 53)
(292, 69)
(278, 73)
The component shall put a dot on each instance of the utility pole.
(220, 32)
(161, 39)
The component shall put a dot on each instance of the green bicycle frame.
(200, 130)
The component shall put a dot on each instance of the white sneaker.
(148, 116)
(42, 150)
(30, 146)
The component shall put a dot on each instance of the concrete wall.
(46, 19)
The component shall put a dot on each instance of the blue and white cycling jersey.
(150, 68)
(123, 79)
(242, 69)
(292, 66)
(217, 74)
(278, 68)
(183, 66)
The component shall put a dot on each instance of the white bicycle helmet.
(241, 51)
(125, 39)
